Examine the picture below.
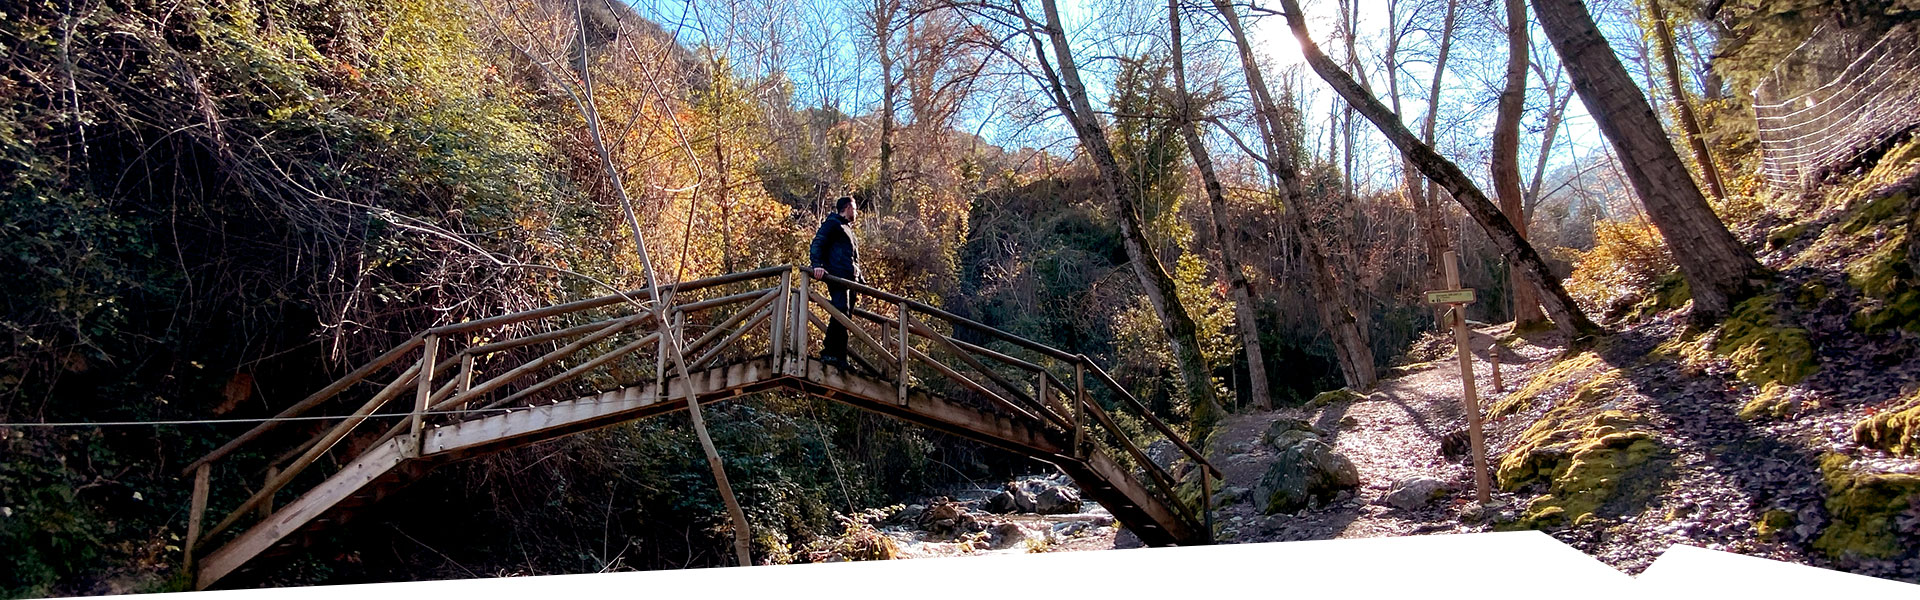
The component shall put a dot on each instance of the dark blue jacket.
(833, 248)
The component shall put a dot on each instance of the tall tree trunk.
(1237, 287)
(883, 16)
(1433, 225)
(1506, 156)
(1070, 95)
(1718, 270)
(1683, 108)
(1351, 348)
(1556, 109)
(1566, 315)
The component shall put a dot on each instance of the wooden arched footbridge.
(523, 378)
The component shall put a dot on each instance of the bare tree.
(1560, 306)
(883, 19)
(1506, 154)
(1332, 298)
(1237, 286)
(1064, 87)
(1683, 107)
(1719, 271)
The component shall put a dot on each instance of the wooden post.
(660, 356)
(197, 509)
(1040, 388)
(266, 506)
(905, 360)
(466, 375)
(800, 313)
(776, 326)
(1206, 499)
(423, 396)
(1493, 356)
(1469, 397)
(1079, 408)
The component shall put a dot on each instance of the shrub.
(1626, 264)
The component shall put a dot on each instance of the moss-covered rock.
(1773, 401)
(1887, 280)
(1873, 514)
(1781, 237)
(1332, 396)
(1606, 464)
(1771, 523)
(1286, 431)
(1810, 294)
(1876, 212)
(1763, 347)
(1304, 475)
(1669, 292)
(1895, 430)
(1561, 373)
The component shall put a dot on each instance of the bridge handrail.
(1104, 377)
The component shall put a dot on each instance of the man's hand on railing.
(819, 273)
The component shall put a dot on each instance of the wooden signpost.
(1456, 299)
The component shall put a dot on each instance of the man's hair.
(841, 203)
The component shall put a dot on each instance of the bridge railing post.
(423, 394)
(1080, 408)
(800, 312)
(1206, 501)
(776, 322)
(196, 512)
(906, 360)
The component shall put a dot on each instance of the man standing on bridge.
(833, 252)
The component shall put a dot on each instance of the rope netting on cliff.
(1876, 98)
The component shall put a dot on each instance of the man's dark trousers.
(842, 299)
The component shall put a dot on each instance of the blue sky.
(852, 80)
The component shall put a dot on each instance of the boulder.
(1001, 503)
(1004, 534)
(1057, 500)
(948, 518)
(1229, 495)
(908, 514)
(1308, 473)
(1163, 453)
(1070, 528)
(1287, 431)
(1016, 498)
(1410, 494)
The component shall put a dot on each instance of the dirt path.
(1390, 435)
(1724, 472)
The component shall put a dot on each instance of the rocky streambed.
(1031, 514)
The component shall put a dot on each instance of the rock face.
(1410, 494)
(1304, 474)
